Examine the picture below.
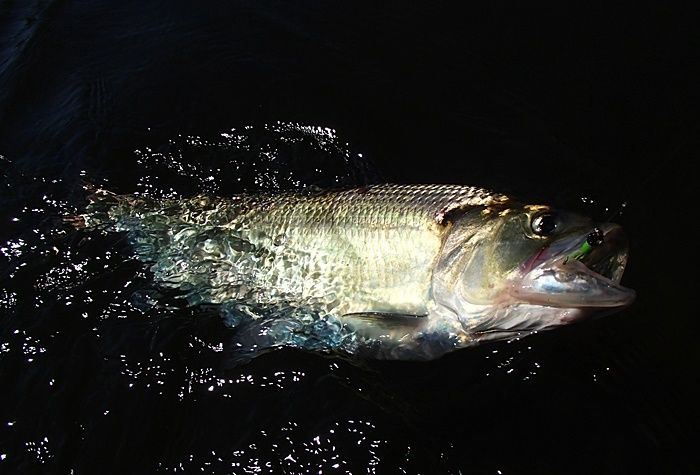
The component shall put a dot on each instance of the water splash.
(271, 157)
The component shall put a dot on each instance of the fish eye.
(544, 224)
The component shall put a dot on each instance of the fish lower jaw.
(513, 320)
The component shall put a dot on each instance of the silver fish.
(411, 271)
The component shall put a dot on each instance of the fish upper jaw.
(561, 276)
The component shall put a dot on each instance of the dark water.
(584, 108)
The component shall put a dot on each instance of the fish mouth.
(578, 272)
(609, 258)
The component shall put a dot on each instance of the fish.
(395, 271)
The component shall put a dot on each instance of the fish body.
(413, 270)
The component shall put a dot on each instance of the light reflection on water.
(278, 156)
(82, 320)
(291, 451)
(106, 301)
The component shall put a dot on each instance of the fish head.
(523, 268)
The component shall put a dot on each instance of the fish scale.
(375, 247)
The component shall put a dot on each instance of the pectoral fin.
(386, 320)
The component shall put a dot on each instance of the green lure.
(581, 252)
(593, 240)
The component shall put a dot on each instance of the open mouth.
(575, 273)
(609, 257)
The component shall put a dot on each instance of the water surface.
(103, 372)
